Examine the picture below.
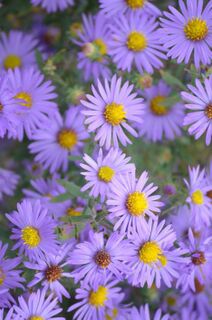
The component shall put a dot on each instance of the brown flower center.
(198, 286)
(209, 194)
(102, 259)
(208, 111)
(53, 273)
(198, 258)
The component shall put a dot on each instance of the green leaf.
(75, 158)
(61, 198)
(73, 189)
(172, 80)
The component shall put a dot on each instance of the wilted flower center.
(198, 286)
(2, 277)
(196, 29)
(114, 113)
(26, 99)
(209, 194)
(73, 212)
(99, 297)
(136, 203)
(208, 111)
(102, 259)
(113, 316)
(36, 318)
(135, 4)
(67, 139)
(95, 50)
(1, 106)
(157, 107)
(171, 301)
(53, 273)
(198, 258)
(106, 173)
(151, 252)
(197, 197)
(136, 41)
(12, 61)
(30, 236)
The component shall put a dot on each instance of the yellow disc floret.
(36, 318)
(26, 99)
(113, 316)
(197, 197)
(2, 277)
(30, 236)
(114, 113)
(67, 139)
(157, 107)
(106, 174)
(135, 4)
(151, 252)
(196, 29)
(12, 61)
(71, 212)
(136, 41)
(99, 297)
(136, 203)
(102, 47)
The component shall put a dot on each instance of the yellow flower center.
(2, 277)
(197, 197)
(12, 61)
(136, 203)
(106, 174)
(171, 301)
(26, 99)
(99, 297)
(113, 316)
(36, 318)
(102, 47)
(157, 106)
(150, 252)
(208, 111)
(114, 113)
(71, 212)
(30, 237)
(67, 139)
(196, 29)
(135, 4)
(136, 41)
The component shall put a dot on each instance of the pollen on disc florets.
(135, 4)
(198, 258)
(36, 318)
(99, 297)
(150, 252)
(114, 113)
(208, 111)
(67, 139)
(30, 236)
(12, 61)
(136, 41)
(106, 173)
(157, 107)
(25, 99)
(102, 259)
(53, 273)
(136, 203)
(196, 29)
(197, 197)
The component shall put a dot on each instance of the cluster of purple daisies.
(129, 243)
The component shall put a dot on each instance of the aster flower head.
(111, 7)
(98, 258)
(17, 50)
(95, 302)
(53, 5)
(161, 121)
(38, 307)
(50, 271)
(132, 43)
(34, 96)
(33, 229)
(93, 39)
(187, 33)
(8, 182)
(155, 257)
(144, 314)
(112, 110)
(6, 299)
(100, 173)
(57, 138)
(130, 200)
(8, 316)
(199, 104)
(199, 202)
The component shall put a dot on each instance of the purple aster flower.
(159, 120)
(93, 39)
(34, 97)
(155, 257)
(50, 271)
(8, 316)
(198, 267)
(98, 258)
(188, 33)
(33, 229)
(38, 307)
(144, 314)
(95, 301)
(130, 200)
(185, 314)
(111, 110)
(111, 7)
(17, 49)
(8, 182)
(199, 103)
(33, 168)
(56, 139)
(53, 5)
(100, 173)
(132, 43)
(71, 208)
(6, 299)
(199, 203)
(119, 312)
